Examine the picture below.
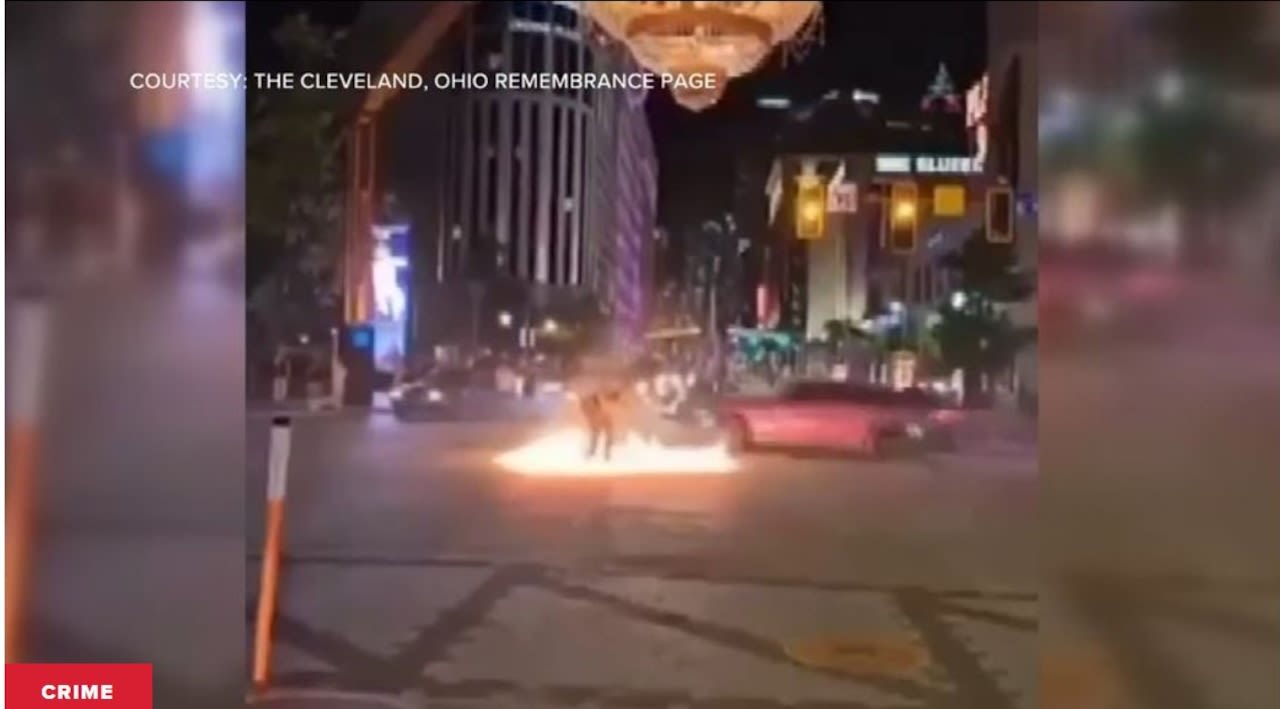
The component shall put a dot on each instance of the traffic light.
(903, 218)
(1000, 208)
(811, 208)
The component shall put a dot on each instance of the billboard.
(390, 278)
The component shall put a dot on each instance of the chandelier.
(721, 39)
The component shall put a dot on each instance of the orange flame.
(563, 454)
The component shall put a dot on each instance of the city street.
(415, 565)
(368, 489)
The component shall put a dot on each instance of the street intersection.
(418, 574)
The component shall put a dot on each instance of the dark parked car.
(442, 394)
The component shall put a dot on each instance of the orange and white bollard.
(29, 319)
(268, 586)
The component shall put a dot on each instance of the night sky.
(892, 48)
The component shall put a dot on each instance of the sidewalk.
(293, 407)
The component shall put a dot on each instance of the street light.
(505, 319)
(958, 300)
(550, 325)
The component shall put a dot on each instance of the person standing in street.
(595, 409)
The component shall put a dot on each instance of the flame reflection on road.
(562, 454)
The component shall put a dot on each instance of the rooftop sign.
(927, 165)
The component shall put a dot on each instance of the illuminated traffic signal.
(811, 208)
(1000, 220)
(903, 218)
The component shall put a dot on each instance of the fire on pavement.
(562, 453)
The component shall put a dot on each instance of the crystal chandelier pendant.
(720, 39)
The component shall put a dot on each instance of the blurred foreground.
(1159, 405)
(125, 243)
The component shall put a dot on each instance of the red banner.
(68, 686)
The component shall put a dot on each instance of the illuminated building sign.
(927, 165)
(976, 103)
(390, 278)
(842, 195)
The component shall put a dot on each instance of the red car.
(838, 416)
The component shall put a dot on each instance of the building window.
(557, 190)
(519, 59)
(565, 17)
(565, 58)
(535, 160)
(538, 53)
(514, 237)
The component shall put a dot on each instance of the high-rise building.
(519, 199)
(623, 280)
(532, 197)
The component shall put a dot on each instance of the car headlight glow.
(435, 395)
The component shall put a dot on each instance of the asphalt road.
(373, 488)
(419, 574)
(416, 567)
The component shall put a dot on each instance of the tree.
(715, 262)
(974, 332)
(990, 270)
(1194, 153)
(840, 335)
(294, 196)
(1192, 146)
(1226, 42)
(977, 338)
(834, 334)
(583, 326)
